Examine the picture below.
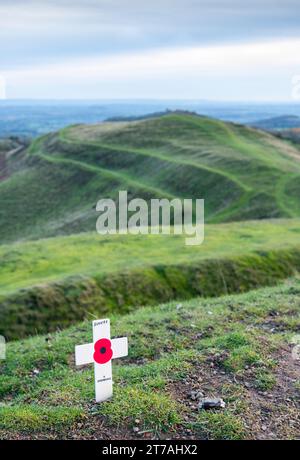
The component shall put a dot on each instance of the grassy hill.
(243, 174)
(50, 283)
(236, 347)
(55, 271)
(7, 146)
(292, 135)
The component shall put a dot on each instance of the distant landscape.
(33, 118)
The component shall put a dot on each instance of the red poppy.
(103, 352)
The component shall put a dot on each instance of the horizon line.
(140, 100)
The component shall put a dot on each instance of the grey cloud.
(37, 31)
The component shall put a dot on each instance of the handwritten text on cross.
(101, 352)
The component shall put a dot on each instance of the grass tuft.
(220, 426)
(154, 409)
(35, 417)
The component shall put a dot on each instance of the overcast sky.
(194, 49)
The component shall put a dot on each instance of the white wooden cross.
(101, 352)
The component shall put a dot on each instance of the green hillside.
(242, 173)
(50, 283)
(238, 348)
(7, 145)
(57, 274)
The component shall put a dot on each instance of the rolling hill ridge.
(52, 189)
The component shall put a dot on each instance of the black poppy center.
(102, 350)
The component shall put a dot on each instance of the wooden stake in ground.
(101, 352)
